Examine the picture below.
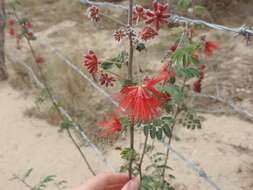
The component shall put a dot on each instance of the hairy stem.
(142, 156)
(130, 77)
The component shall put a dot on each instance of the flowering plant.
(155, 104)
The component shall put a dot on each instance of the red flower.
(40, 60)
(158, 16)
(119, 34)
(197, 86)
(91, 62)
(11, 22)
(106, 80)
(12, 31)
(148, 33)
(201, 71)
(142, 103)
(139, 13)
(93, 13)
(28, 25)
(165, 73)
(111, 127)
(210, 47)
(173, 48)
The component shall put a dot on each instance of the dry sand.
(224, 148)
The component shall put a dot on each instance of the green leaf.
(175, 92)
(153, 132)
(187, 72)
(159, 134)
(167, 131)
(106, 65)
(146, 129)
(128, 153)
(28, 173)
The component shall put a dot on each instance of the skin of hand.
(110, 181)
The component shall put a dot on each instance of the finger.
(113, 179)
(114, 187)
(132, 185)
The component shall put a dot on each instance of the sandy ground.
(223, 148)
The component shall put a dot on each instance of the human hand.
(110, 181)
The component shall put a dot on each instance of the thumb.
(133, 184)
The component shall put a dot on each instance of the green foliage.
(27, 174)
(43, 95)
(190, 120)
(185, 56)
(153, 179)
(44, 182)
(186, 72)
(128, 153)
(117, 61)
(176, 93)
(66, 124)
(140, 47)
(158, 128)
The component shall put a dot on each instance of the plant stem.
(142, 157)
(130, 78)
(23, 181)
(130, 167)
(131, 49)
(177, 111)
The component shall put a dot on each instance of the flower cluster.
(93, 13)
(25, 30)
(92, 64)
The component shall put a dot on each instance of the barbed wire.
(65, 113)
(243, 30)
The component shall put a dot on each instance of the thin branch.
(16, 177)
(130, 78)
(142, 156)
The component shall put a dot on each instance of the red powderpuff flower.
(141, 103)
(158, 16)
(91, 62)
(111, 127)
(173, 48)
(165, 73)
(197, 87)
(93, 13)
(210, 47)
(40, 60)
(147, 33)
(106, 80)
(12, 31)
(119, 34)
(28, 25)
(11, 22)
(139, 13)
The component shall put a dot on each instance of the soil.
(223, 148)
